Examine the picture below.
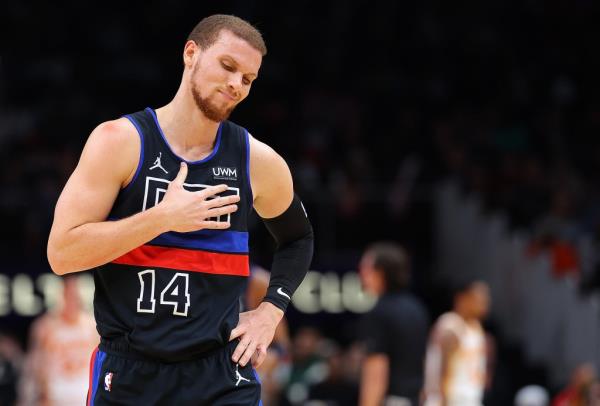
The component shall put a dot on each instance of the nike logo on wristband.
(282, 293)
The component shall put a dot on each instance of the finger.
(259, 356)
(215, 225)
(181, 175)
(248, 353)
(239, 349)
(236, 332)
(222, 201)
(212, 190)
(220, 211)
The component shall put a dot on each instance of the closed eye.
(228, 67)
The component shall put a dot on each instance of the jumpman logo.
(239, 377)
(157, 163)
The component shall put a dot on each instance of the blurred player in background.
(580, 389)
(11, 363)
(394, 331)
(56, 369)
(456, 367)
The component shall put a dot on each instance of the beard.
(209, 109)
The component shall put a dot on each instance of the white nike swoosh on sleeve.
(282, 293)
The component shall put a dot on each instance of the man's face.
(222, 75)
(479, 295)
(370, 277)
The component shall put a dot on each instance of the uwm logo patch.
(156, 188)
(221, 172)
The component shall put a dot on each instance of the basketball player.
(455, 366)
(394, 331)
(56, 367)
(164, 227)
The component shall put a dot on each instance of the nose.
(235, 83)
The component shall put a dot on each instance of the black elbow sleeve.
(295, 245)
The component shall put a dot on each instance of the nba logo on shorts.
(108, 381)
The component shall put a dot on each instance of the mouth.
(228, 96)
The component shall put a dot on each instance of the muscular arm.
(374, 379)
(271, 180)
(273, 192)
(81, 237)
(286, 221)
(448, 343)
(444, 342)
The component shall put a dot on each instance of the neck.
(69, 316)
(464, 315)
(189, 133)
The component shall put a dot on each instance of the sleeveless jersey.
(465, 379)
(177, 296)
(57, 366)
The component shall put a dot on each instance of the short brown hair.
(207, 31)
(393, 262)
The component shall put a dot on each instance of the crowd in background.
(371, 103)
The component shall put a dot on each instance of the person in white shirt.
(61, 342)
(455, 365)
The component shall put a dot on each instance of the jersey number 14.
(175, 294)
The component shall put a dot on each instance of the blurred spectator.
(56, 371)
(394, 331)
(308, 365)
(340, 387)
(11, 357)
(594, 394)
(456, 355)
(532, 395)
(580, 389)
(555, 233)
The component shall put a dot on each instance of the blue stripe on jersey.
(96, 377)
(256, 376)
(247, 138)
(230, 242)
(260, 403)
(141, 134)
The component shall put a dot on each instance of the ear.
(190, 53)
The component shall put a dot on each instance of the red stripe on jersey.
(187, 260)
(92, 362)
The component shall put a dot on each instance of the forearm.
(295, 244)
(290, 265)
(93, 244)
(437, 393)
(371, 393)
(374, 381)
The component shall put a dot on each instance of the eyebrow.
(235, 62)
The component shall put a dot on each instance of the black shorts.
(121, 379)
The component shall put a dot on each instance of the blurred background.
(466, 133)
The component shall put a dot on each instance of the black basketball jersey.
(177, 296)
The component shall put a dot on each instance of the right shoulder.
(450, 323)
(40, 328)
(119, 133)
(117, 143)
